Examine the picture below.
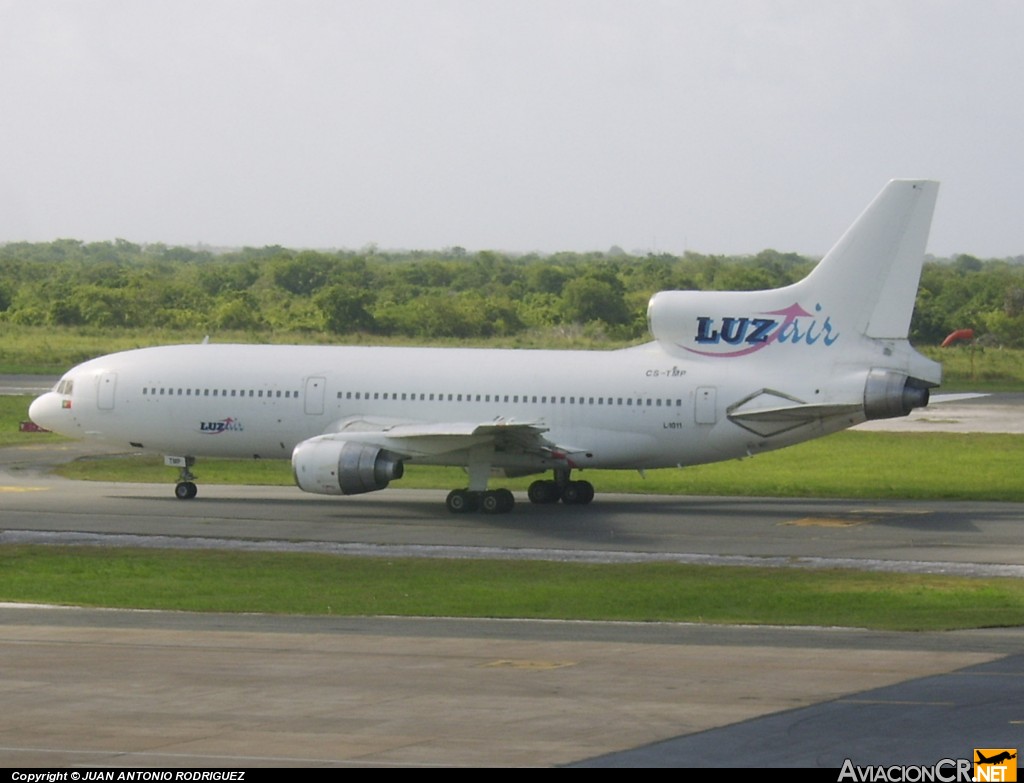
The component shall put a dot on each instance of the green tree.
(591, 299)
(346, 310)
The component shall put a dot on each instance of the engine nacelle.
(340, 467)
(889, 394)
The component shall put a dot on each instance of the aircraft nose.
(46, 411)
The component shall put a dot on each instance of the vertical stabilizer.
(873, 271)
(866, 285)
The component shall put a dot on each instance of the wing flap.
(432, 439)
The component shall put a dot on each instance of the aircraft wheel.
(586, 492)
(577, 493)
(543, 492)
(508, 500)
(462, 501)
(185, 490)
(498, 501)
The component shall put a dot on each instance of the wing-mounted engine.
(888, 394)
(338, 467)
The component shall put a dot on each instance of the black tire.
(543, 492)
(508, 500)
(586, 490)
(498, 501)
(462, 501)
(577, 493)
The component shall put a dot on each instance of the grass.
(973, 368)
(52, 350)
(949, 466)
(13, 411)
(214, 581)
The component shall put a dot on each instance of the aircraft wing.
(430, 439)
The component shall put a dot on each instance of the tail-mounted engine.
(889, 394)
(340, 467)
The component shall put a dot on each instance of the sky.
(528, 126)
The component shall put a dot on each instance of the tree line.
(426, 295)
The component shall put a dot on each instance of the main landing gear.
(186, 488)
(491, 501)
(572, 493)
(500, 501)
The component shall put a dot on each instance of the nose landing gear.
(186, 488)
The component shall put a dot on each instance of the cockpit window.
(66, 386)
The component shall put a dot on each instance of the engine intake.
(340, 467)
(889, 394)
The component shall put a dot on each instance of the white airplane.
(728, 375)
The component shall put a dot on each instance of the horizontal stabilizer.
(770, 412)
(939, 399)
(772, 421)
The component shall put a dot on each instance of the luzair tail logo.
(733, 336)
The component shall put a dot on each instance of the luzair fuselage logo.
(741, 335)
(218, 427)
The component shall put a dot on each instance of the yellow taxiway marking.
(854, 518)
(826, 522)
(531, 665)
(901, 702)
(23, 489)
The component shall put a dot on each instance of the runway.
(177, 689)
